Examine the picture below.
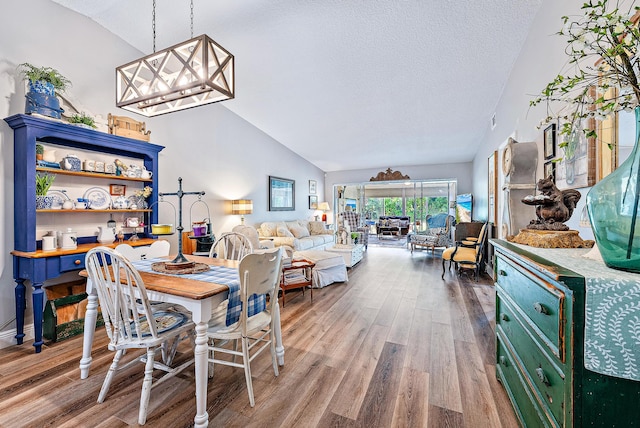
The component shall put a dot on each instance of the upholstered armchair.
(355, 223)
(466, 254)
(438, 233)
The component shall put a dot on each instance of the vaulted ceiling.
(349, 84)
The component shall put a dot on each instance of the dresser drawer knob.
(504, 317)
(503, 361)
(542, 376)
(77, 262)
(540, 308)
(502, 272)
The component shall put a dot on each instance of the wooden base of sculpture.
(550, 239)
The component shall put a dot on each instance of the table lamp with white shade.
(324, 207)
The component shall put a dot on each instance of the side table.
(351, 254)
(297, 275)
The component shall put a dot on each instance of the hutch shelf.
(30, 263)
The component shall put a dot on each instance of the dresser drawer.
(524, 404)
(545, 377)
(540, 302)
(72, 262)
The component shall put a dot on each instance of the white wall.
(540, 60)
(211, 148)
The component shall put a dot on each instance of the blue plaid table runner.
(219, 275)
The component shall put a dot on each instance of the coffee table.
(351, 254)
(388, 231)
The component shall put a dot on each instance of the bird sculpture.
(553, 206)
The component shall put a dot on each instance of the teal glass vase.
(613, 206)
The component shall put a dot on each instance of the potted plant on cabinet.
(39, 151)
(43, 83)
(43, 183)
(83, 121)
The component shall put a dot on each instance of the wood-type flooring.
(395, 346)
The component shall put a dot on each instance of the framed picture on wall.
(282, 192)
(550, 170)
(312, 187)
(117, 189)
(492, 177)
(577, 152)
(550, 141)
(313, 202)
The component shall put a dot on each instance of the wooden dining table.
(199, 297)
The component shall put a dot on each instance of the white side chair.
(259, 274)
(126, 322)
(157, 249)
(231, 246)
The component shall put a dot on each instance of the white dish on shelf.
(59, 197)
(99, 198)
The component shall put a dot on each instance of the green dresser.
(540, 328)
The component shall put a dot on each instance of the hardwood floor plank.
(309, 408)
(344, 346)
(479, 409)
(483, 328)
(379, 402)
(411, 409)
(350, 394)
(445, 418)
(419, 341)
(401, 326)
(444, 390)
(394, 346)
(460, 321)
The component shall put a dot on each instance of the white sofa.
(297, 235)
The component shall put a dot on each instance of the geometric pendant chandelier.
(193, 73)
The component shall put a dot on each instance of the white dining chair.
(231, 246)
(127, 325)
(159, 248)
(259, 274)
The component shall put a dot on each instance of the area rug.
(388, 241)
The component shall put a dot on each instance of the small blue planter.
(44, 202)
(41, 99)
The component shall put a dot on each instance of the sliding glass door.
(415, 199)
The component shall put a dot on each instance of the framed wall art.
(282, 192)
(492, 177)
(313, 202)
(550, 170)
(117, 189)
(550, 141)
(312, 187)
(577, 153)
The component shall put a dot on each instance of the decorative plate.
(59, 196)
(99, 198)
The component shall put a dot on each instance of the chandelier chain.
(153, 25)
(192, 19)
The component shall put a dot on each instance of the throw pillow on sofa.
(283, 232)
(317, 228)
(299, 231)
(268, 229)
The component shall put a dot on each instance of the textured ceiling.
(350, 84)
